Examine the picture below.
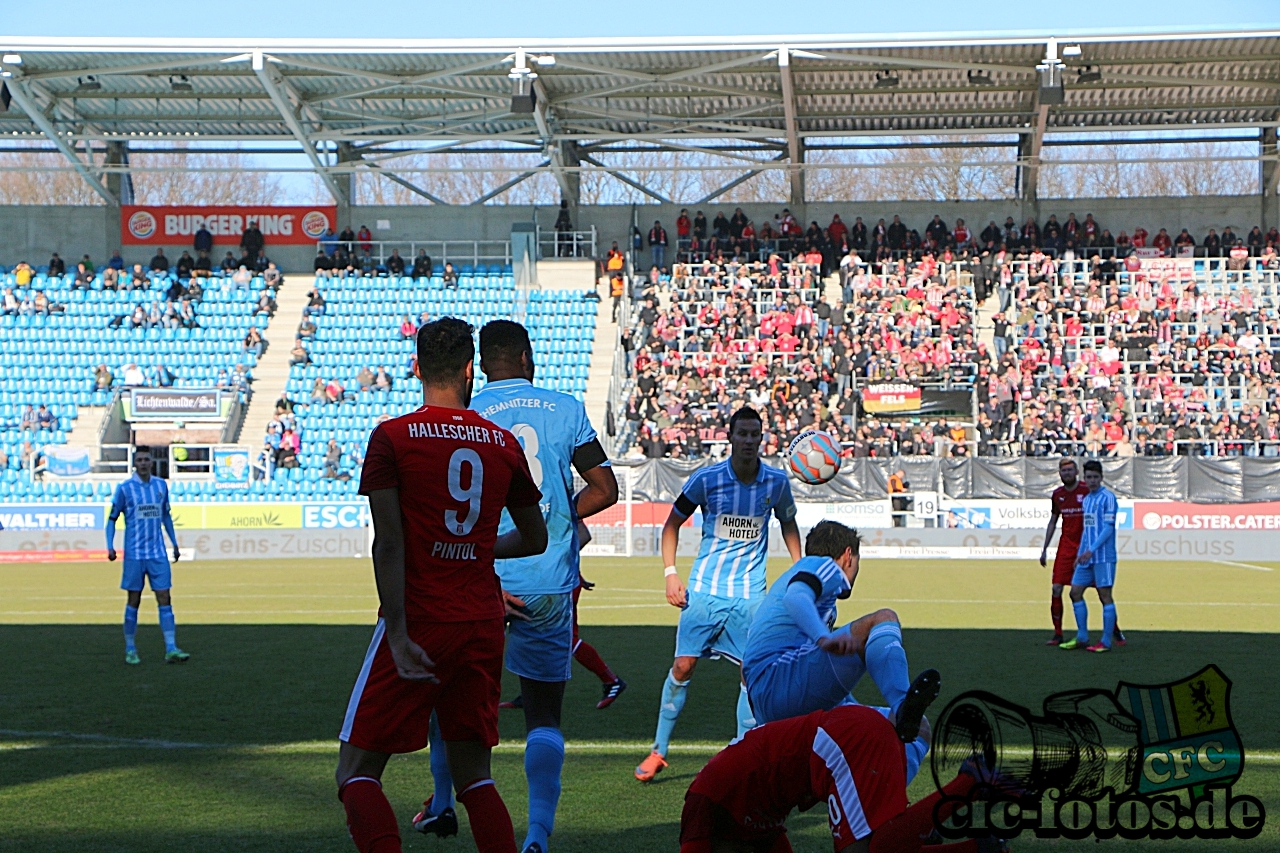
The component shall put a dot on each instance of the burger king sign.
(179, 225)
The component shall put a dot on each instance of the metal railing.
(473, 252)
(567, 244)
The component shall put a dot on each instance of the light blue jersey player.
(798, 662)
(558, 439)
(727, 583)
(1095, 561)
(143, 500)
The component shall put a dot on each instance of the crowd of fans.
(1099, 347)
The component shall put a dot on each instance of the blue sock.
(543, 760)
(442, 796)
(1108, 623)
(130, 628)
(167, 627)
(746, 717)
(673, 696)
(887, 662)
(1082, 620)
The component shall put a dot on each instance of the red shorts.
(1064, 565)
(389, 714)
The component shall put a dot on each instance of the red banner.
(1175, 515)
(160, 225)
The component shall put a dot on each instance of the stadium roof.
(363, 94)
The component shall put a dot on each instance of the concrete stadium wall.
(32, 233)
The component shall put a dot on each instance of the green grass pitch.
(235, 751)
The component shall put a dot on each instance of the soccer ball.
(814, 457)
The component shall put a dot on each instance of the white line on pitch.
(1244, 565)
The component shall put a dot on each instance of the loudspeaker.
(523, 98)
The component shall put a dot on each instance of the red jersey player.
(437, 480)
(1068, 504)
(849, 758)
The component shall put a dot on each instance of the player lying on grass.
(1066, 503)
(797, 663)
(727, 582)
(557, 439)
(437, 480)
(143, 500)
(850, 757)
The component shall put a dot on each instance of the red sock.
(369, 816)
(907, 832)
(1055, 610)
(489, 818)
(586, 655)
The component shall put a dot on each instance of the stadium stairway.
(84, 429)
(597, 396)
(272, 372)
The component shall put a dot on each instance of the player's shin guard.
(442, 796)
(586, 655)
(907, 832)
(543, 761)
(370, 819)
(130, 628)
(168, 627)
(673, 696)
(1108, 623)
(489, 818)
(1055, 612)
(887, 662)
(746, 717)
(1082, 620)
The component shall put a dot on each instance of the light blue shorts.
(155, 571)
(803, 680)
(1095, 574)
(712, 626)
(543, 648)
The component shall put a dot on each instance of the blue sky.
(573, 18)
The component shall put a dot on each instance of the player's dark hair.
(1093, 465)
(444, 348)
(503, 341)
(746, 413)
(831, 539)
(143, 448)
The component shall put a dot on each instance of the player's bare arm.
(529, 537)
(677, 596)
(1048, 535)
(601, 491)
(791, 536)
(412, 663)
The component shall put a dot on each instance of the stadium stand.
(355, 365)
(76, 340)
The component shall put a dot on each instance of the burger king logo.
(314, 224)
(142, 225)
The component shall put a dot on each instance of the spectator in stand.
(164, 376)
(365, 379)
(347, 241)
(84, 278)
(273, 278)
(203, 241)
(9, 305)
(242, 278)
(57, 267)
(450, 276)
(1255, 241)
(261, 262)
(1184, 240)
(323, 265)
(837, 233)
(102, 378)
(251, 240)
(1139, 238)
(159, 263)
(395, 264)
(658, 243)
(684, 231)
(315, 301)
(253, 343)
(228, 264)
(334, 392)
(564, 231)
(299, 354)
(422, 265)
(332, 460)
(364, 239)
(1162, 241)
(319, 394)
(186, 264)
(266, 302)
(408, 329)
(203, 267)
(382, 382)
(27, 423)
(133, 376)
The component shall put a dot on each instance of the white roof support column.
(282, 95)
(24, 98)
(795, 154)
(542, 116)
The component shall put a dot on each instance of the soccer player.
(727, 583)
(1067, 503)
(1096, 561)
(796, 663)
(848, 757)
(557, 439)
(437, 480)
(143, 500)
